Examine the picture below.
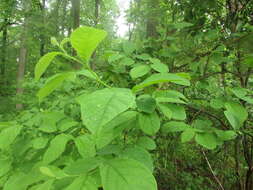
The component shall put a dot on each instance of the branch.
(211, 169)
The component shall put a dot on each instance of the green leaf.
(161, 78)
(126, 173)
(114, 128)
(146, 143)
(170, 96)
(54, 83)
(5, 164)
(165, 110)
(146, 103)
(174, 126)
(8, 135)
(236, 114)
(187, 135)
(139, 71)
(178, 112)
(127, 61)
(43, 63)
(207, 140)
(158, 66)
(86, 146)
(39, 142)
(86, 73)
(129, 47)
(139, 154)
(82, 183)
(226, 135)
(46, 185)
(85, 40)
(56, 148)
(106, 104)
(149, 123)
(82, 166)
(49, 120)
(52, 171)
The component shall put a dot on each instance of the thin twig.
(211, 169)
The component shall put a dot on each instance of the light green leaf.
(43, 63)
(161, 78)
(146, 103)
(5, 164)
(46, 185)
(158, 66)
(85, 40)
(174, 126)
(226, 135)
(146, 143)
(39, 142)
(165, 110)
(178, 112)
(139, 71)
(86, 73)
(187, 135)
(106, 104)
(126, 173)
(86, 146)
(54, 83)
(56, 148)
(8, 135)
(139, 154)
(207, 140)
(149, 123)
(127, 61)
(129, 47)
(82, 166)
(52, 171)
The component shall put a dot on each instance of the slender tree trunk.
(42, 35)
(22, 63)
(4, 39)
(152, 17)
(76, 24)
(76, 13)
(97, 7)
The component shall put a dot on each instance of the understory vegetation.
(165, 106)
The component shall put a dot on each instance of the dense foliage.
(168, 106)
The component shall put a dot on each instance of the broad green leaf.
(114, 128)
(129, 47)
(207, 140)
(226, 135)
(106, 104)
(187, 135)
(85, 40)
(82, 183)
(49, 120)
(146, 143)
(161, 78)
(82, 166)
(66, 124)
(165, 110)
(170, 96)
(127, 61)
(86, 146)
(43, 63)
(139, 71)
(149, 123)
(5, 164)
(129, 174)
(139, 154)
(217, 103)
(181, 25)
(178, 112)
(52, 171)
(8, 135)
(174, 126)
(56, 148)
(54, 83)
(39, 142)
(239, 92)
(146, 103)
(46, 185)
(143, 57)
(86, 73)
(236, 114)
(158, 66)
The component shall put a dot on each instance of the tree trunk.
(152, 17)
(76, 13)
(4, 38)
(97, 6)
(42, 36)
(22, 64)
